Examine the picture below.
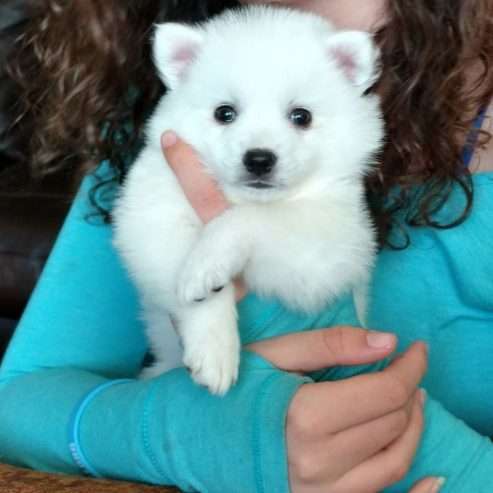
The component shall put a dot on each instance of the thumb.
(318, 349)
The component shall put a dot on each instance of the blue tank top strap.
(472, 138)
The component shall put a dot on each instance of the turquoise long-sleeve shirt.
(82, 328)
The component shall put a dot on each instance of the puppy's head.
(272, 99)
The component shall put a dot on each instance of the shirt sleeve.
(83, 312)
(451, 449)
(163, 431)
(80, 330)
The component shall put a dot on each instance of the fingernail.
(427, 348)
(422, 397)
(438, 485)
(169, 139)
(380, 340)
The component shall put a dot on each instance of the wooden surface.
(16, 480)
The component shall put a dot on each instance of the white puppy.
(273, 102)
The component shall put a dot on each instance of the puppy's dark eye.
(225, 114)
(300, 117)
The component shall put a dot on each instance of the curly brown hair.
(90, 88)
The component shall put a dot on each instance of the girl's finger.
(428, 485)
(352, 447)
(199, 187)
(331, 406)
(323, 348)
(388, 466)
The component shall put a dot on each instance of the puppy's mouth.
(259, 184)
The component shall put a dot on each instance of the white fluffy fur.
(307, 239)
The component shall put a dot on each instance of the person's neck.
(482, 159)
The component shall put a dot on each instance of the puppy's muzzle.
(259, 162)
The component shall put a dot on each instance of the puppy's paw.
(214, 360)
(200, 279)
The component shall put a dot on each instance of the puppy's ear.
(175, 47)
(357, 56)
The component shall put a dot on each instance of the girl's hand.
(354, 435)
(200, 189)
(428, 485)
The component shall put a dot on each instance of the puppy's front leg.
(217, 258)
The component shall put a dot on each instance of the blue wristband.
(74, 428)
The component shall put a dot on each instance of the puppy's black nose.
(259, 161)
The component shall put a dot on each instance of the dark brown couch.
(30, 218)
